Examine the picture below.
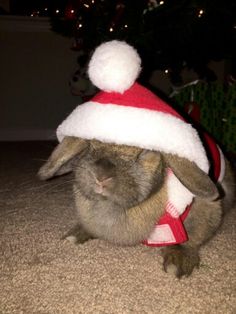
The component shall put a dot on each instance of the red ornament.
(70, 12)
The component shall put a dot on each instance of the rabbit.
(120, 192)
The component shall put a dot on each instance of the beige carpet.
(42, 274)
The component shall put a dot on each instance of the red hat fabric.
(136, 96)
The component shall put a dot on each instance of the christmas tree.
(168, 34)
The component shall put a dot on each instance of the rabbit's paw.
(180, 260)
(77, 235)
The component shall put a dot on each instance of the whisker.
(50, 185)
(50, 189)
(25, 183)
(39, 159)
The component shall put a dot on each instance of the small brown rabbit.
(138, 165)
(120, 192)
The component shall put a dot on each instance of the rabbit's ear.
(61, 159)
(192, 177)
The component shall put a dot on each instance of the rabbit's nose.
(104, 182)
(105, 170)
(100, 186)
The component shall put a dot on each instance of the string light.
(45, 9)
(111, 29)
(86, 5)
(80, 25)
(166, 71)
(72, 11)
(200, 13)
(126, 26)
(152, 4)
(35, 13)
(57, 11)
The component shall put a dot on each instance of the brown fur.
(201, 224)
(120, 193)
(63, 153)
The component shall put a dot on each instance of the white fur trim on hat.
(133, 126)
(114, 66)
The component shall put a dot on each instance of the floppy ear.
(61, 159)
(192, 177)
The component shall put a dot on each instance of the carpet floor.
(40, 273)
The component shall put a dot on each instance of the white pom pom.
(114, 66)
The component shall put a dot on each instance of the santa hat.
(125, 112)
